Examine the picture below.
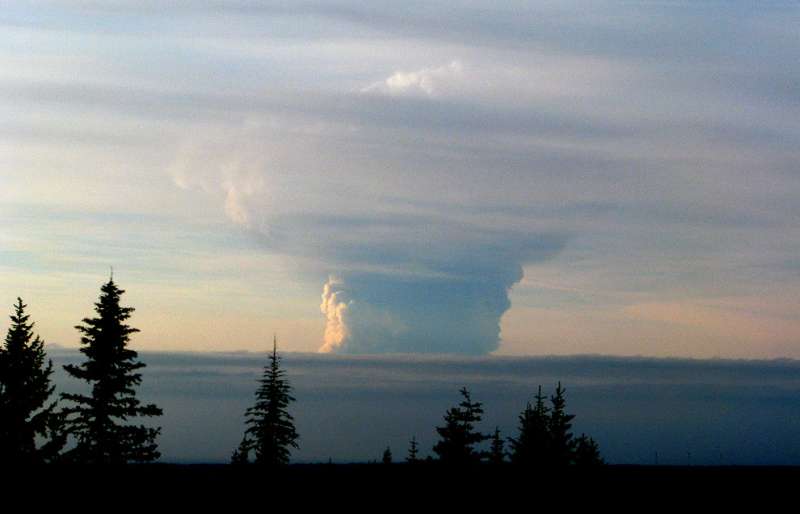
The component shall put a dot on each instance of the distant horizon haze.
(350, 408)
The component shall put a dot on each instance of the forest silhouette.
(104, 426)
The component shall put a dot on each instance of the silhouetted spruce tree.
(270, 434)
(562, 445)
(26, 412)
(587, 452)
(413, 451)
(497, 453)
(98, 421)
(458, 437)
(387, 456)
(531, 447)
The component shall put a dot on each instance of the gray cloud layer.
(349, 408)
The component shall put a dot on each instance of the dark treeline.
(98, 427)
(93, 428)
(544, 438)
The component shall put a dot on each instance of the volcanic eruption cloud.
(397, 277)
(367, 315)
(454, 306)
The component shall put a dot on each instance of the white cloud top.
(425, 81)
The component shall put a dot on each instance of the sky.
(368, 177)
(350, 408)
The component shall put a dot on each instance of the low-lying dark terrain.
(657, 484)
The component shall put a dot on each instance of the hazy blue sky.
(558, 177)
(349, 408)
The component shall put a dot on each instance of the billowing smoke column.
(439, 290)
(383, 314)
(335, 308)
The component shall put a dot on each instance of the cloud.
(238, 188)
(412, 315)
(743, 412)
(233, 205)
(659, 142)
(436, 298)
(237, 175)
(335, 308)
(408, 280)
(425, 81)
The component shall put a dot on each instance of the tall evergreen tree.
(97, 421)
(387, 456)
(497, 452)
(270, 432)
(26, 411)
(413, 451)
(562, 444)
(531, 447)
(458, 437)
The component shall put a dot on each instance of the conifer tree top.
(98, 421)
(270, 432)
(458, 436)
(26, 412)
